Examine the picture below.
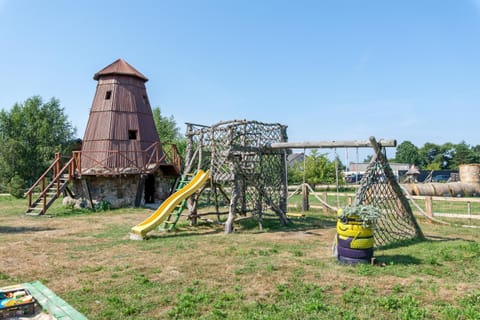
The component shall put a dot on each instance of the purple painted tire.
(346, 260)
(355, 253)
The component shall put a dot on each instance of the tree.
(463, 154)
(167, 128)
(448, 152)
(318, 170)
(407, 152)
(168, 131)
(431, 156)
(30, 134)
(476, 152)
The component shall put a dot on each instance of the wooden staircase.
(43, 193)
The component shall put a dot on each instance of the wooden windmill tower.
(122, 160)
(120, 120)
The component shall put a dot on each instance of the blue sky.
(330, 70)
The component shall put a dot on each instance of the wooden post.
(56, 171)
(233, 203)
(86, 193)
(305, 202)
(284, 179)
(77, 163)
(429, 207)
(324, 198)
(469, 211)
(140, 189)
(349, 201)
(56, 168)
(44, 202)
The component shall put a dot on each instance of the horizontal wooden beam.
(331, 144)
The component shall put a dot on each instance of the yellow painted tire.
(353, 219)
(355, 243)
(351, 230)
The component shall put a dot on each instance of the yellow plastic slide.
(166, 208)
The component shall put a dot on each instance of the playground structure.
(243, 171)
(378, 188)
(246, 165)
(240, 161)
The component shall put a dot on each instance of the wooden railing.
(431, 207)
(116, 162)
(448, 207)
(56, 172)
(113, 162)
(173, 156)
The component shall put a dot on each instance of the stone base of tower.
(121, 191)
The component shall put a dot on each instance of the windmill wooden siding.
(120, 128)
(121, 159)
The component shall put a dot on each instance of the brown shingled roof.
(120, 67)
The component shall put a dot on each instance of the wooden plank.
(56, 306)
(295, 215)
(456, 215)
(331, 144)
(448, 199)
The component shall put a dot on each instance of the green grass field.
(198, 272)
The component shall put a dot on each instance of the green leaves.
(318, 170)
(437, 157)
(168, 131)
(367, 214)
(407, 152)
(31, 133)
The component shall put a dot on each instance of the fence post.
(469, 211)
(324, 198)
(305, 203)
(429, 207)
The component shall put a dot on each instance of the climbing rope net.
(379, 188)
(235, 152)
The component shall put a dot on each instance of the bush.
(16, 187)
(3, 187)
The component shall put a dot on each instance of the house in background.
(398, 169)
(293, 158)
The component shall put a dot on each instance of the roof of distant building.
(295, 157)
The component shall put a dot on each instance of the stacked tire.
(354, 241)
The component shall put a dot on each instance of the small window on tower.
(145, 99)
(108, 95)
(132, 134)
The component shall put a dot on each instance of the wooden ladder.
(43, 193)
(172, 219)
